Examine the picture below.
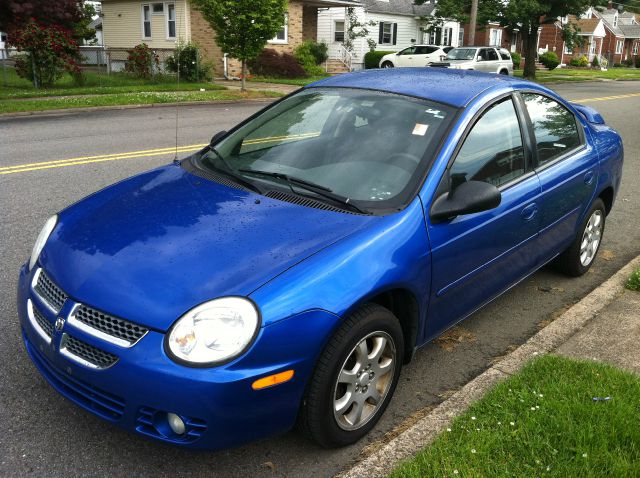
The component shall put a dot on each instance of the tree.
(243, 27)
(357, 29)
(527, 16)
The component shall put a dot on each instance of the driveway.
(45, 435)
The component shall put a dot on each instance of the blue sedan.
(285, 273)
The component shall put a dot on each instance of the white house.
(397, 25)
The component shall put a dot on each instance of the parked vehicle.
(488, 59)
(415, 55)
(286, 272)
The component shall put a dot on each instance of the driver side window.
(408, 51)
(492, 151)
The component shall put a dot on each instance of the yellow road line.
(606, 98)
(95, 159)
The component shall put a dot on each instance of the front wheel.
(354, 379)
(387, 64)
(579, 257)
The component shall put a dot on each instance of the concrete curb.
(71, 111)
(422, 433)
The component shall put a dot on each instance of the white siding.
(408, 30)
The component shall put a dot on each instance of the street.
(49, 162)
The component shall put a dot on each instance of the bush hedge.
(273, 64)
(372, 58)
(516, 58)
(192, 68)
(550, 60)
(582, 61)
(308, 53)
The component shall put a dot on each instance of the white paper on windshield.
(420, 129)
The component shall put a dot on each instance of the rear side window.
(505, 55)
(492, 151)
(489, 54)
(555, 127)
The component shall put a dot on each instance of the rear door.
(475, 257)
(567, 166)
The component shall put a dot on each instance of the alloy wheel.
(591, 238)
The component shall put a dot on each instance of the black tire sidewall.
(372, 319)
(574, 265)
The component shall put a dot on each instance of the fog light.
(176, 424)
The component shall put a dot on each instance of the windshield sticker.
(420, 129)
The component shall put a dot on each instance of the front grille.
(43, 322)
(48, 291)
(103, 404)
(95, 356)
(110, 325)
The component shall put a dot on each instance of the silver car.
(482, 58)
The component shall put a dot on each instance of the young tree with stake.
(243, 27)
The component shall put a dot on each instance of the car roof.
(454, 87)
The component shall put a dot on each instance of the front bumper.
(218, 405)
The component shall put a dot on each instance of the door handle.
(588, 177)
(529, 212)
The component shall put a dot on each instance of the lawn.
(544, 421)
(579, 74)
(95, 84)
(289, 81)
(145, 98)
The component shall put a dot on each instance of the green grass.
(569, 74)
(634, 281)
(543, 422)
(147, 98)
(289, 81)
(95, 84)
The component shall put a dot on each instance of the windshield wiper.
(229, 171)
(309, 186)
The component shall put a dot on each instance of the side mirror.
(216, 137)
(468, 198)
(478, 58)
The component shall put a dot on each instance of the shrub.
(637, 62)
(628, 62)
(320, 50)
(49, 51)
(595, 63)
(305, 56)
(516, 58)
(271, 63)
(142, 61)
(581, 61)
(550, 60)
(187, 57)
(634, 281)
(372, 58)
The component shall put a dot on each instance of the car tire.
(387, 64)
(579, 257)
(329, 414)
(504, 72)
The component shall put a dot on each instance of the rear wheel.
(579, 257)
(387, 64)
(504, 72)
(354, 379)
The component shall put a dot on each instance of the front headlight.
(214, 332)
(42, 239)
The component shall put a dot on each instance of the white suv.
(416, 55)
(482, 58)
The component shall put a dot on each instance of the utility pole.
(473, 19)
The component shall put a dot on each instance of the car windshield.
(366, 146)
(462, 54)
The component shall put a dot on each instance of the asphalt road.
(42, 434)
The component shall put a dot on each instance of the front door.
(475, 257)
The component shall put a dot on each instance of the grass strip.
(146, 98)
(553, 418)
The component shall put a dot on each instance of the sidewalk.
(604, 326)
(258, 86)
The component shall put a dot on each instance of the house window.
(461, 37)
(158, 8)
(283, 35)
(635, 48)
(447, 33)
(338, 31)
(146, 22)
(388, 33)
(615, 20)
(619, 45)
(567, 50)
(171, 20)
(592, 47)
(495, 35)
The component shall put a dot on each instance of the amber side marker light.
(272, 380)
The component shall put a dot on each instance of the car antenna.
(179, 52)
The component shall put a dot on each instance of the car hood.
(153, 246)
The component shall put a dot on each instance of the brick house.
(161, 25)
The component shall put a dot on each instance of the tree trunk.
(243, 76)
(530, 45)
